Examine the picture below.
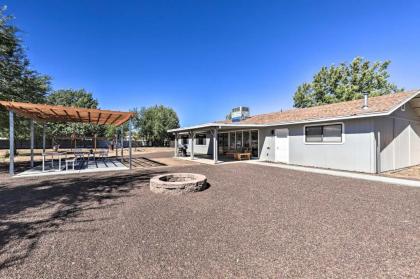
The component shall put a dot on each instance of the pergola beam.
(78, 115)
(99, 118)
(108, 117)
(52, 113)
(113, 121)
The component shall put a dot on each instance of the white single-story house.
(370, 135)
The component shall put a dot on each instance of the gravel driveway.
(253, 221)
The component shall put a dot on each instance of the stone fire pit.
(178, 183)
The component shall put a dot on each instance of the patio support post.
(192, 145)
(215, 147)
(43, 138)
(176, 145)
(32, 143)
(130, 124)
(11, 144)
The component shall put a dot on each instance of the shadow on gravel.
(43, 206)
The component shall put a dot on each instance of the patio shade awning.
(50, 113)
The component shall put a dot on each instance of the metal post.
(129, 143)
(176, 145)
(43, 138)
(215, 148)
(122, 143)
(192, 145)
(32, 143)
(116, 146)
(11, 144)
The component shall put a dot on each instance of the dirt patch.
(412, 173)
(253, 222)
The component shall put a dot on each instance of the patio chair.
(71, 160)
(78, 155)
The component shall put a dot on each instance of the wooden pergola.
(43, 113)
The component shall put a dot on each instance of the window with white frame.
(332, 133)
(200, 139)
(185, 140)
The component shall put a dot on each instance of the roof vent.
(365, 100)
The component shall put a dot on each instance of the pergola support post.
(176, 145)
(44, 138)
(116, 146)
(32, 142)
(11, 144)
(215, 147)
(130, 124)
(122, 143)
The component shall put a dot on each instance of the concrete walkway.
(370, 177)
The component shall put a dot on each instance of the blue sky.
(204, 57)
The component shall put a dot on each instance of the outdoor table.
(52, 154)
(88, 153)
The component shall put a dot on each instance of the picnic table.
(58, 154)
(78, 153)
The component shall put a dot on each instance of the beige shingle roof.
(380, 104)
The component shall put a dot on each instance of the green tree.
(18, 82)
(152, 123)
(345, 82)
(74, 98)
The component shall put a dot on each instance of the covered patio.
(217, 142)
(75, 160)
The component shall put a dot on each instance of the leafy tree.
(345, 82)
(74, 98)
(18, 82)
(153, 122)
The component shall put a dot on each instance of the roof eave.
(317, 120)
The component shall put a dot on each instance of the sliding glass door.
(223, 142)
(254, 143)
(239, 141)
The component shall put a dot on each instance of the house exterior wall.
(206, 149)
(399, 137)
(356, 153)
(369, 144)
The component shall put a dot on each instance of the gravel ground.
(253, 221)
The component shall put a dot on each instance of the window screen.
(325, 133)
(200, 140)
(332, 133)
(313, 134)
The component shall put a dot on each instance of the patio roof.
(50, 113)
(220, 126)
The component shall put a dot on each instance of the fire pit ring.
(178, 183)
